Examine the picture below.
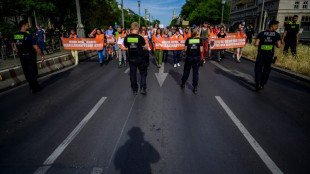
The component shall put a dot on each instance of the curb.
(280, 70)
(12, 77)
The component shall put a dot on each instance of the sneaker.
(135, 92)
(101, 64)
(119, 64)
(178, 64)
(182, 85)
(175, 65)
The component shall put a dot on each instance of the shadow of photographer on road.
(136, 155)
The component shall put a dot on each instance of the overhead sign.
(185, 22)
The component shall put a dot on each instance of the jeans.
(176, 56)
(42, 47)
(191, 62)
(165, 55)
(101, 54)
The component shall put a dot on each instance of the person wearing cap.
(266, 41)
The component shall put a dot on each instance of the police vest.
(22, 45)
(133, 44)
(249, 28)
(193, 48)
(268, 41)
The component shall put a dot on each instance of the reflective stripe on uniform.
(266, 47)
(132, 40)
(18, 36)
(194, 41)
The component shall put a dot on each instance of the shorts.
(240, 49)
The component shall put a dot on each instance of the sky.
(159, 9)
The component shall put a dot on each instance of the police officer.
(138, 58)
(266, 41)
(249, 33)
(291, 35)
(194, 54)
(26, 48)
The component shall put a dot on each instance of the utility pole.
(122, 7)
(261, 17)
(223, 3)
(139, 11)
(80, 27)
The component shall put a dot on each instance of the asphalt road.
(87, 121)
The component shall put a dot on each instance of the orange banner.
(111, 39)
(82, 43)
(169, 43)
(232, 40)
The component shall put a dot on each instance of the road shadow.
(54, 78)
(136, 155)
(241, 81)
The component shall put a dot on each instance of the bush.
(299, 64)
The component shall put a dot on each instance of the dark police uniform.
(268, 40)
(192, 60)
(28, 58)
(249, 33)
(138, 58)
(291, 38)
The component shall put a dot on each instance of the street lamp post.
(261, 17)
(122, 5)
(223, 3)
(80, 27)
(139, 11)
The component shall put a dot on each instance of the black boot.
(142, 91)
(195, 90)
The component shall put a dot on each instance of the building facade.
(249, 12)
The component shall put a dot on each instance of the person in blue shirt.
(41, 38)
(110, 31)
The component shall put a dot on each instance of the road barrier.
(12, 77)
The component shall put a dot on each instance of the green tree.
(197, 11)
(173, 22)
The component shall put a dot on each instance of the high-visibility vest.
(100, 36)
(188, 35)
(175, 37)
(72, 36)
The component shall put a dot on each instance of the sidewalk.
(11, 62)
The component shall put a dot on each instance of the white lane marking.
(161, 76)
(119, 138)
(236, 73)
(96, 170)
(126, 71)
(51, 159)
(258, 149)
